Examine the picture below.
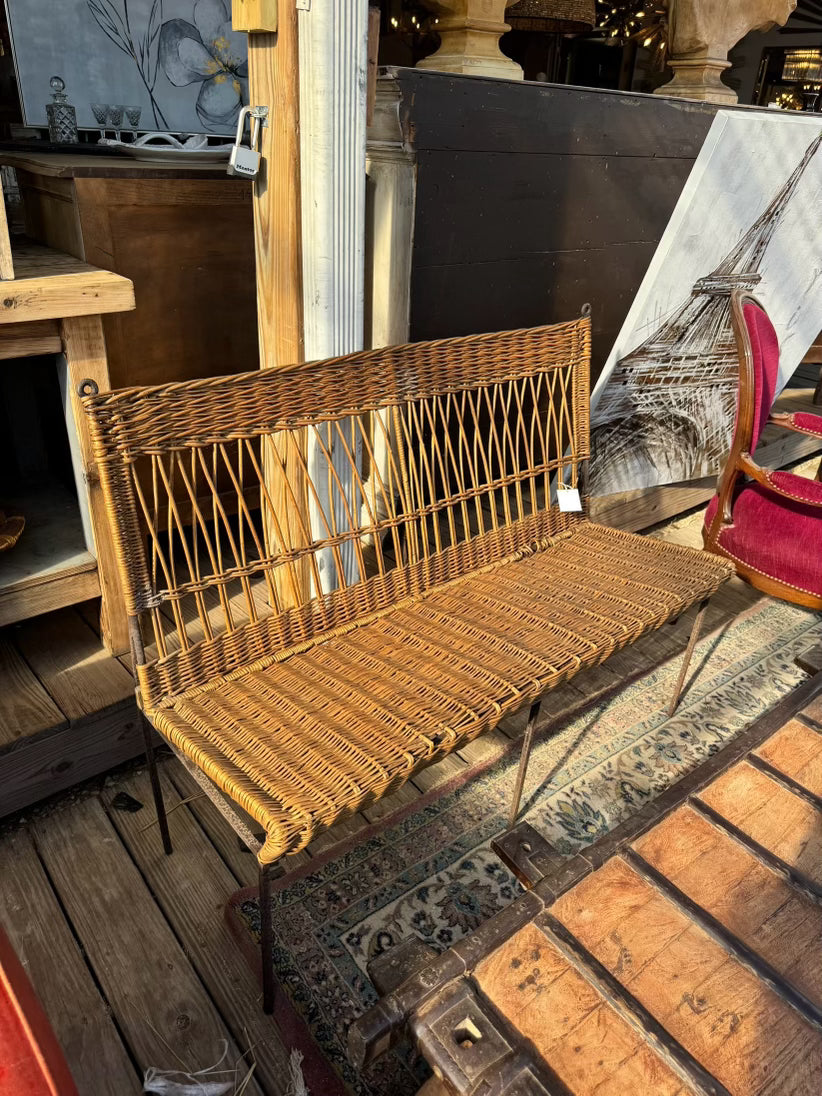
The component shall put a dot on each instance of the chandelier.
(623, 21)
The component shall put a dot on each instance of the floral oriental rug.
(428, 869)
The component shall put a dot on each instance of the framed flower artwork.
(178, 60)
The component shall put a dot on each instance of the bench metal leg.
(156, 788)
(266, 938)
(527, 743)
(689, 650)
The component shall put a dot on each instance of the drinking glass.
(115, 117)
(133, 119)
(100, 112)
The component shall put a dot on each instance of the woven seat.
(338, 573)
(303, 742)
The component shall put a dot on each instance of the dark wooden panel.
(534, 199)
(188, 246)
(482, 206)
(473, 297)
(456, 112)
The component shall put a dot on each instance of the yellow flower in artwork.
(209, 51)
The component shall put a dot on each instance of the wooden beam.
(273, 81)
(50, 591)
(254, 16)
(41, 765)
(50, 285)
(26, 340)
(85, 351)
(6, 260)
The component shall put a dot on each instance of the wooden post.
(85, 352)
(273, 81)
(6, 260)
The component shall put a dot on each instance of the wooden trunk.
(677, 955)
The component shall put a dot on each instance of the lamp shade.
(552, 16)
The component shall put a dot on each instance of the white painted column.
(333, 47)
(392, 175)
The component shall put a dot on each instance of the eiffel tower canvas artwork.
(663, 410)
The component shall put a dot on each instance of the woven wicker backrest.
(228, 517)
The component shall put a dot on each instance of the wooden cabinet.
(183, 236)
(54, 304)
(184, 239)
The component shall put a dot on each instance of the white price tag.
(568, 499)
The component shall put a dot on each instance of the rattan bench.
(453, 589)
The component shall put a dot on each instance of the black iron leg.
(527, 743)
(156, 789)
(266, 938)
(686, 661)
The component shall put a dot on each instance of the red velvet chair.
(31, 1061)
(768, 523)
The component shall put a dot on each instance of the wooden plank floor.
(128, 948)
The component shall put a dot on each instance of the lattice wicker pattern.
(315, 630)
(445, 453)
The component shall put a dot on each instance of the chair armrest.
(802, 422)
(781, 483)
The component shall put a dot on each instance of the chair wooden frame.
(479, 593)
(740, 463)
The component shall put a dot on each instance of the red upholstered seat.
(775, 533)
(777, 537)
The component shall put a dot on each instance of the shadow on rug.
(428, 869)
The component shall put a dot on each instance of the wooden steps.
(67, 709)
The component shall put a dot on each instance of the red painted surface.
(31, 1061)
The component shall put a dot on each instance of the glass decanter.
(61, 115)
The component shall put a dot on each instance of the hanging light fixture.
(642, 21)
(803, 64)
(552, 16)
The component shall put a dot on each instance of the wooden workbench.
(53, 304)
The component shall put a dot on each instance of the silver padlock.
(245, 159)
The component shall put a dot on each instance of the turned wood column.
(701, 34)
(470, 31)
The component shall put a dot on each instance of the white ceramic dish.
(167, 152)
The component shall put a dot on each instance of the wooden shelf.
(50, 285)
(76, 165)
(50, 566)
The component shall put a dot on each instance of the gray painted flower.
(209, 51)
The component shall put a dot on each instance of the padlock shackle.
(241, 117)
